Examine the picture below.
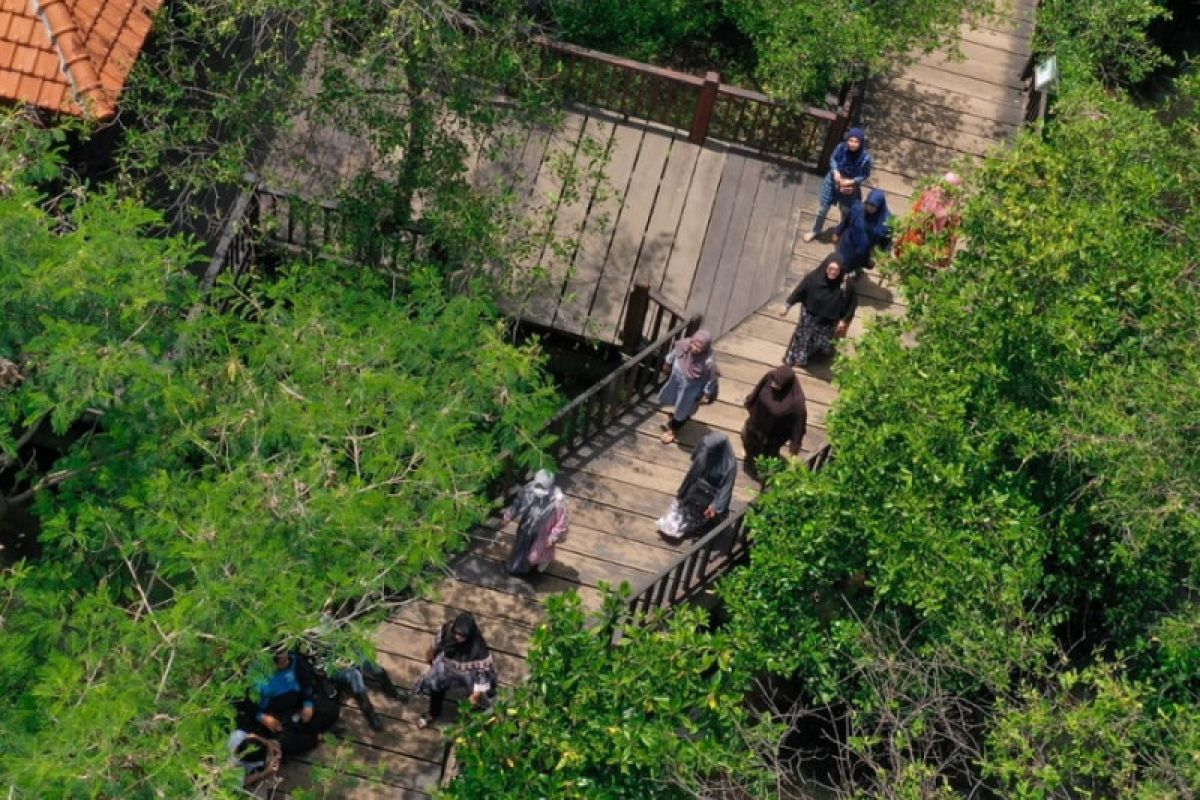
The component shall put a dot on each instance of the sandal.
(668, 437)
(424, 721)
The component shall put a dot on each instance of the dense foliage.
(381, 105)
(993, 586)
(231, 480)
(614, 721)
(794, 49)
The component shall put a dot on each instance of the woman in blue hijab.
(863, 227)
(849, 166)
(878, 220)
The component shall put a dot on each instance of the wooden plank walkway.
(619, 482)
(690, 221)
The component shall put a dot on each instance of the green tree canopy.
(303, 458)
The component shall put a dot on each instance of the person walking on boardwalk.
(862, 229)
(827, 303)
(878, 220)
(458, 658)
(849, 166)
(703, 497)
(777, 417)
(542, 508)
(694, 379)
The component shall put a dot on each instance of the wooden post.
(635, 318)
(706, 102)
(833, 136)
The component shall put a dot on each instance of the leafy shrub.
(650, 716)
(1108, 41)
(302, 457)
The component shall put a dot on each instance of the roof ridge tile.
(63, 30)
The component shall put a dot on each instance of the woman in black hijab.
(703, 497)
(828, 305)
(777, 416)
(458, 657)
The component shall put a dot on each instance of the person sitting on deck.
(289, 710)
(542, 508)
(259, 757)
(458, 658)
(828, 305)
(704, 495)
(694, 379)
(354, 677)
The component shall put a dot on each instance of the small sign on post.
(1045, 74)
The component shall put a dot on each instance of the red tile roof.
(71, 55)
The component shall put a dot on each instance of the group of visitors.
(299, 701)
(865, 225)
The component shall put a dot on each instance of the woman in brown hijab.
(777, 416)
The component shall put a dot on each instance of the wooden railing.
(647, 315)
(262, 215)
(235, 247)
(320, 226)
(714, 555)
(704, 107)
(619, 391)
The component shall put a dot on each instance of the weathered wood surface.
(667, 213)
(705, 203)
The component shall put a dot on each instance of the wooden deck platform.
(709, 228)
(919, 122)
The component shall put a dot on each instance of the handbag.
(700, 494)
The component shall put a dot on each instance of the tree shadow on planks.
(927, 127)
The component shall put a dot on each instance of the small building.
(71, 56)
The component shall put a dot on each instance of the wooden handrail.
(712, 556)
(703, 107)
(565, 48)
(233, 247)
(615, 394)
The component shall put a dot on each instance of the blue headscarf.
(854, 245)
(852, 158)
(877, 223)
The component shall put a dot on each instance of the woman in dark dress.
(777, 417)
(828, 304)
(864, 228)
(458, 658)
(704, 496)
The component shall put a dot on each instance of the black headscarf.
(825, 299)
(473, 648)
(778, 416)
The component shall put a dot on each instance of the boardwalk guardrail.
(619, 391)
(712, 556)
(704, 107)
(264, 215)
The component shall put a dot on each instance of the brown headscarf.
(769, 408)
(695, 365)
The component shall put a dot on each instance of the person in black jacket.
(827, 303)
(289, 710)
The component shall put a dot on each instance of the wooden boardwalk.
(707, 227)
(919, 122)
